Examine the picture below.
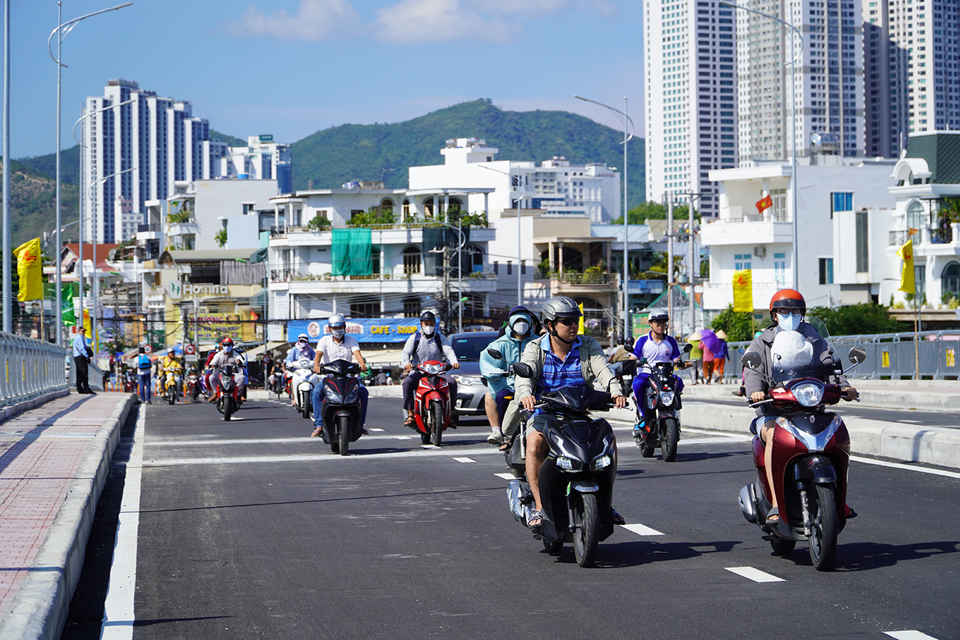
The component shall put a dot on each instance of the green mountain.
(385, 151)
(33, 205)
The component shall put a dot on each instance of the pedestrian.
(696, 356)
(81, 359)
(143, 374)
(722, 356)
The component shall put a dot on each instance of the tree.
(655, 211)
(856, 319)
(738, 326)
(221, 238)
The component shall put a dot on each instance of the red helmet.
(227, 342)
(788, 299)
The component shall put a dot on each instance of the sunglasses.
(783, 313)
(568, 322)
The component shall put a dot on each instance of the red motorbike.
(431, 405)
(811, 457)
(228, 392)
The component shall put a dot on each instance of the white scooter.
(302, 384)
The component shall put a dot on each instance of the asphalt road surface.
(250, 529)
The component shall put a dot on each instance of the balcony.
(928, 240)
(572, 283)
(746, 232)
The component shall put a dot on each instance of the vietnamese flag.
(764, 203)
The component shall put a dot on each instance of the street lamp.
(519, 228)
(624, 118)
(64, 28)
(793, 121)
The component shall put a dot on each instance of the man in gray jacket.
(425, 345)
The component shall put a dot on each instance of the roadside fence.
(29, 368)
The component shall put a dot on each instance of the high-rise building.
(828, 86)
(912, 71)
(690, 80)
(135, 145)
(261, 159)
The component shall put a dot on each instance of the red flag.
(765, 203)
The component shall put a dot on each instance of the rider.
(654, 347)
(299, 351)
(170, 364)
(226, 356)
(518, 334)
(337, 346)
(425, 345)
(559, 359)
(787, 309)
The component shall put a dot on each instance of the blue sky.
(293, 67)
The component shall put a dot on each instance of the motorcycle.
(227, 390)
(341, 405)
(193, 384)
(431, 405)
(303, 380)
(811, 457)
(130, 381)
(171, 385)
(662, 402)
(576, 479)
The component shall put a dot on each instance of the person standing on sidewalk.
(143, 374)
(81, 358)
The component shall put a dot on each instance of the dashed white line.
(375, 429)
(642, 530)
(464, 459)
(505, 476)
(910, 634)
(754, 574)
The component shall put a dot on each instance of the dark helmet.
(788, 299)
(227, 342)
(659, 314)
(560, 307)
(428, 315)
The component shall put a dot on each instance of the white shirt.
(329, 350)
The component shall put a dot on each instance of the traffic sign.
(189, 349)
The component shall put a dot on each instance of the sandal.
(410, 422)
(773, 513)
(507, 444)
(536, 519)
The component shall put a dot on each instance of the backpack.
(436, 338)
(143, 362)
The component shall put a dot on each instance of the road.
(249, 529)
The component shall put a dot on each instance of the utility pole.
(670, 256)
(445, 291)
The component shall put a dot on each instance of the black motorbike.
(658, 408)
(340, 405)
(576, 479)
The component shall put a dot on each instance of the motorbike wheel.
(227, 407)
(553, 548)
(671, 434)
(343, 426)
(437, 430)
(424, 438)
(823, 542)
(646, 450)
(220, 405)
(585, 537)
(305, 405)
(782, 547)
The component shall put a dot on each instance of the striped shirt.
(559, 373)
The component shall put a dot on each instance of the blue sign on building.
(363, 329)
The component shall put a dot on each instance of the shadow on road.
(635, 553)
(864, 556)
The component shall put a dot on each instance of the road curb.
(15, 409)
(43, 601)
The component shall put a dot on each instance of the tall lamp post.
(63, 28)
(793, 121)
(625, 119)
(519, 227)
(463, 241)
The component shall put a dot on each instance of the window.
(364, 308)
(916, 219)
(950, 281)
(863, 240)
(780, 269)
(509, 267)
(411, 261)
(840, 202)
(411, 307)
(826, 270)
(741, 261)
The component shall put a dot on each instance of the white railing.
(29, 368)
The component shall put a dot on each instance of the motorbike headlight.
(469, 381)
(666, 397)
(808, 394)
(331, 393)
(352, 396)
(434, 369)
(602, 462)
(568, 464)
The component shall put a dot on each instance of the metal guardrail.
(889, 355)
(29, 368)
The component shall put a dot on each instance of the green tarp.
(351, 252)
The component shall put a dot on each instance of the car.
(471, 387)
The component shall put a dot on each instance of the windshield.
(468, 348)
(792, 356)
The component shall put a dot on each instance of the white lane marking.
(906, 467)
(429, 446)
(754, 574)
(910, 421)
(208, 442)
(118, 612)
(910, 634)
(505, 476)
(316, 457)
(375, 429)
(402, 437)
(641, 530)
(464, 459)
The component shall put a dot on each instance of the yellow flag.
(907, 284)
(743, 291)
(86, 322)
(30, 270)
(580, 328)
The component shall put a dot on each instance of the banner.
(68, 314)
(907, 284)
(743, 291)
(30, 270)
(580, 324)
(379, 330)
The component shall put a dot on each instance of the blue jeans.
(316, 399)
(144, 387)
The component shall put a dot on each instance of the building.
(261, 159)
(843, 218)
(828, 92)
(690, 84)
(135, 145)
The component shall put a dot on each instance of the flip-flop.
(410, 421)
(773, 512)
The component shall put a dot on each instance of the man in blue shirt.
(81, 353)
(654, 347)
(299, 351)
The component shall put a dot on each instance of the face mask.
(427, 331)
(302, 344)
(227, 349)
(337, 333)
(520, 327)
(788, 323)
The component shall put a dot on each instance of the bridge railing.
(29, 368)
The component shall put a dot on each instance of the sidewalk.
(54, 460)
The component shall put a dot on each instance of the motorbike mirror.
(857, 355)
(628, 367)
(687, 348)
(752, 360)
(523, 370)
(495, 354)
